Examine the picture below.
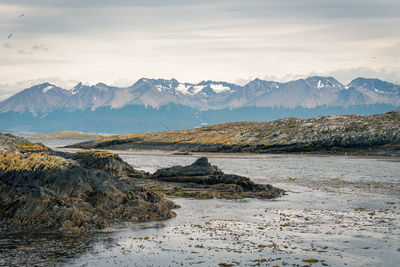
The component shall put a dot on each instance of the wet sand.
(337, 222)
(334, 228)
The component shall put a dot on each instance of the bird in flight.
(10, 36)
(21, 15)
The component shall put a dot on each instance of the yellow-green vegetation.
(197, 193)
(17, 161)
(159, 190)
(280, 132)
(96, 154)
(193, 194)
(121, 137)
(226, 134)
(178, 192)
(32, 147)
(65, 135)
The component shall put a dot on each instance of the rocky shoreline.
(46, 190)
(377, 135)
(43, 192)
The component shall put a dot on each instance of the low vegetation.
(285, 135)
(96, 154)
(32, 147)
(66, 135)
(17, 161)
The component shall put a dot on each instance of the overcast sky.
(118, 42)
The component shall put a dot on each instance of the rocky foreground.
(375, 134)
(41, 189)
(45, 190)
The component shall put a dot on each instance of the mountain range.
(37, 108)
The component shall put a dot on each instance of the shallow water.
(339, 210)
(267, 166)
(56, 143)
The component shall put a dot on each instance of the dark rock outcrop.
(108, 162)
(42, 189)
(201, 172)
(46, 190)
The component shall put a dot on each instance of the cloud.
(123, 82)
(390, 74)
(192, 40)
(345, 76)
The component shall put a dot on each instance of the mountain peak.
(79, 85)
(174, 80)
(45, 84)
(375, 85)
(323, 82)
(45, 87)
(40, 87)
(258, 81)
(101, 85)
(364, 81)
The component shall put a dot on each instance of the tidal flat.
(338, 211)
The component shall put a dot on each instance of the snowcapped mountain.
(310, 92)
(207, 95)
(37, 100)
(369, 91)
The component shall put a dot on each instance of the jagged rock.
(203, 173)
(108, 162)
(45, 191)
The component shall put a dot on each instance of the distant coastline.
(377, 135)
(66, 135)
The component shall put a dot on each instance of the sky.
(119, 41)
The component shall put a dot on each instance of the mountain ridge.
(207, 95)
(161, 104)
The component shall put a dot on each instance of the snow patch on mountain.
(219, 88)
(47, 88)
(197, 89)
(159, 87)
(182, 88)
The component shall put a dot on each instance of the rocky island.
(376, 134)
(42, 189)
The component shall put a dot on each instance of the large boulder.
(203, 173)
